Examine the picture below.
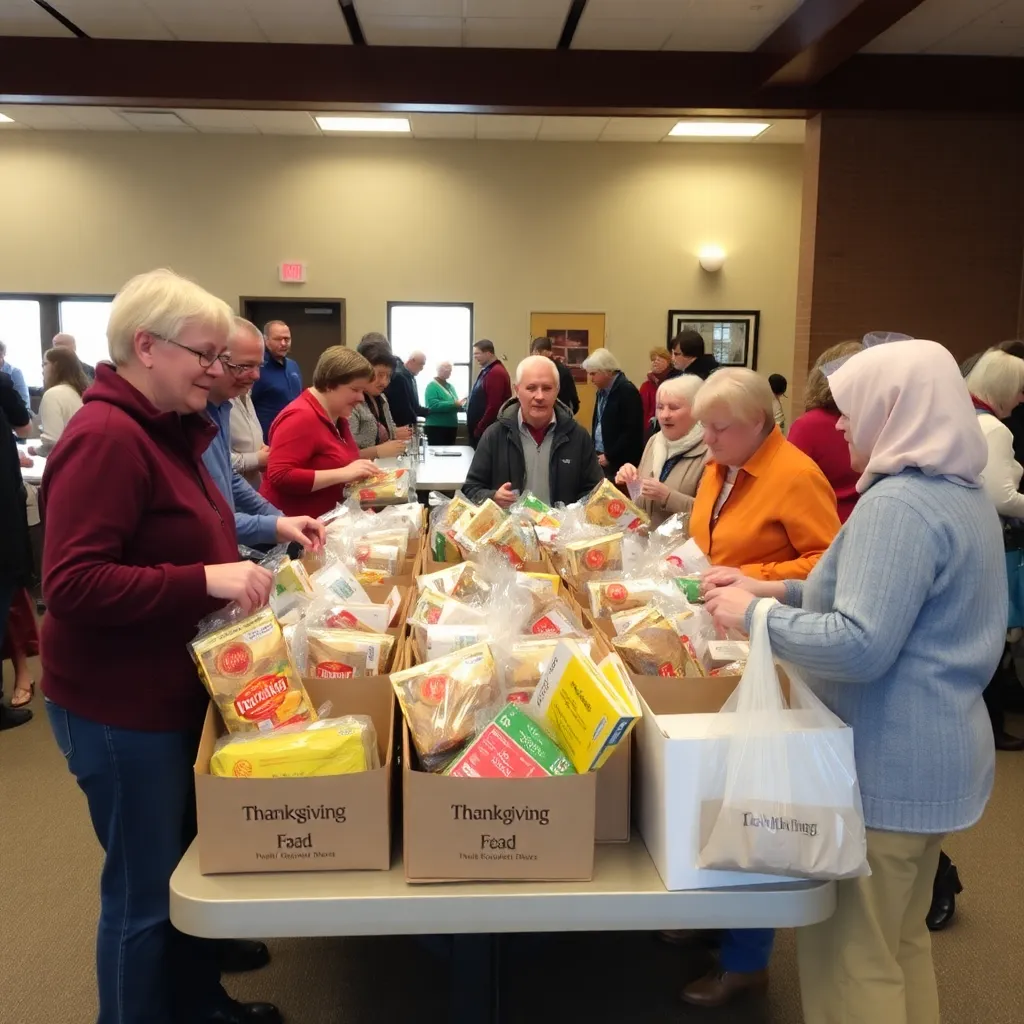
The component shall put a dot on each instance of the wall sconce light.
(711, 258)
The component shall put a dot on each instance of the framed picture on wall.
(730, 335)
(573, 337)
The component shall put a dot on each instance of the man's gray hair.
(536, 361)
(601, 360)
(241, 324)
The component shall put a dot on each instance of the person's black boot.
(237, 955)
(944, 893)
(11, 718)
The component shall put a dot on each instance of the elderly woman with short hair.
(443, 405)
(661, 369)
(618, 426)
(673, 461)
(129, 568)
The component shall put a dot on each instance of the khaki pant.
(871, 962)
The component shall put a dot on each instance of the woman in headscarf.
(898, 630)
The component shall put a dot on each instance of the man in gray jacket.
(534, 445)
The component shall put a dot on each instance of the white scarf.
(664, 449)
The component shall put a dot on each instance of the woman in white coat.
(65, 383)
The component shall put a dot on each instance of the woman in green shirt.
(443, 405)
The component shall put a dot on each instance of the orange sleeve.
(811, 522)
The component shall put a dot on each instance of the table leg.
(475, 980)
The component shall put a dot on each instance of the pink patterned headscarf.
(908, 407)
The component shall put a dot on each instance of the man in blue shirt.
(280, 380)
(256, 520)
(17, 377)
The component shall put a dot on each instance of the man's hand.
(263, 456)
(655, 490)
(602, 461)
(504, 496)
(626, 474)
(403, 433)
(304, 530)
(728, 607)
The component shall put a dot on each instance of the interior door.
(315, 324)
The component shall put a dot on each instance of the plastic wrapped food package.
(441, 580)
(390, 485)
(652, 647)
(530, 507)
(332, 746)
(515, 540)
(606, 505)
(522, 665)
(337, 580)
(587, 558)
(608, 596)
(474, 524)
(346, 653)
(432, 608)
(443, 518)
(439, 640)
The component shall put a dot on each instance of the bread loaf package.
(447, 701)
(346, 653)
(608, 596)
(390, 485)
(652, 647)
(606, 505)
(247, 669)
(591, 556)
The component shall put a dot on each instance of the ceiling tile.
(226, 21)
(621, 34)
(718, 34)
(637, 129)
(928, 24)
(24, 18)
(783, 132)
(497, 126)
(443, 126)
(283, 122)
(412, 31)
(545, 9)
(512, 33)
(981, 40)
(43, 117)
(218, 120)
(408, 8)
(99, 119)
(571, 129)
(155, 120)
(300, 21)
(114, 19)
(635, 10)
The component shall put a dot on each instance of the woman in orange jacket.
(763, 509)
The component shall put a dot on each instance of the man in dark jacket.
(402, 393)
(535, 445)
(567, 394)
(618, 426)
(688, 356)
(491, 390)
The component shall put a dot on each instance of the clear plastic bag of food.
(446, 701)
(345, 653)
(606, 505)
(522, 664)
(652, 647)
(441, 580)
(444, 514)
(515, 540)
(433, 608)
(338, 581)
(529, 506)
(475, 523)
(389, 485)
(585, 559)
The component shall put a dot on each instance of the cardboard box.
(612, 823)
(319, 824)
(496, 829)
(670, 774)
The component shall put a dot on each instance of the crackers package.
(610, 596)
(346, 653)
(445, 700)
(608, 506)
(587, 558)
(248, 671)
(391, 485)
(333, 746)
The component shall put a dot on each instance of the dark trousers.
(441, 435)
(140, 791)
(7, 590)
(1000, 692)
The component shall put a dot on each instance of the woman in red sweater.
(661, 367)
(140, 545)
(312, 451)
(815, 432)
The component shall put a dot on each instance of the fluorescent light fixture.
(334, 123)
(719, 129)
(4, 119)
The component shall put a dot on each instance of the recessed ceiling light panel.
(334, 123)
(719, 129)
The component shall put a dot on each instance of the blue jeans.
(140, 791)
(746, 949)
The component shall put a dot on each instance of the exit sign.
(292, 273)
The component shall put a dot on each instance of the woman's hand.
(24, 460)
(722, 576)
(304, 530)
(245, 583)
(358, 470)
(728, 607)
(263, 457)
(654, 490)
(403, 433)
(602, 460)
(626, 474)
(389, 449)
(461, 402)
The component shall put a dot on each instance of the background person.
(280, 379)
(661, 369)
(127, 574)
(65, 383)
(402, 394)
(249, 453)
(443, 405)
(815, 434)
(312, 451)
(536, 445)
(491, 390)
(688, 355)
(897, 630)
(370, 422)
(673, 460)
(778, 384)
(567, 393)
(15, 375)
(67, 341)
(618, 425)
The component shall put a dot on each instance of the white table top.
(625, 894)
(35, 474)
(439, 472)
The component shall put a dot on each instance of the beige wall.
(511, 227)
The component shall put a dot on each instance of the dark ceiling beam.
(114, 72)
(821, 35)
(63, 19)
(351, 16)
(572, 21)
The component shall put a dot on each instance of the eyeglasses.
(205, 359)
(239, 368)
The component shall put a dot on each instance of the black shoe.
(947, 887)
(245, 1013)
(237, 955)
(1004, 741)
(11, 718)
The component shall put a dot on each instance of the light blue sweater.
(898, 630)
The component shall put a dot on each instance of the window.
(87, 319)
(20, 330)
(442, 331)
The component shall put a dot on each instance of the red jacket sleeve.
(83, 574)
(498, 390)
(292, 447)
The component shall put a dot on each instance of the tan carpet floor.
(49, 870)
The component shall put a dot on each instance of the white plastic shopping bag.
(790, 804)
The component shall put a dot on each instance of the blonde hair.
(162, 303)
(817, 393)
(601, 360)
(660, 353)
(684, 387)
(339, 365)
(743, 392)
(998, 380)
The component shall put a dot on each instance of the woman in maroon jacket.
(139, 546)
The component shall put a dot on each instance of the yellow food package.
(391, 484)
(373, 577)
(476, 523)
(515, 539)
(610, 596)
(608, 506)
(587, 558)
(247, 669)
(334, 746)
(346, 654)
